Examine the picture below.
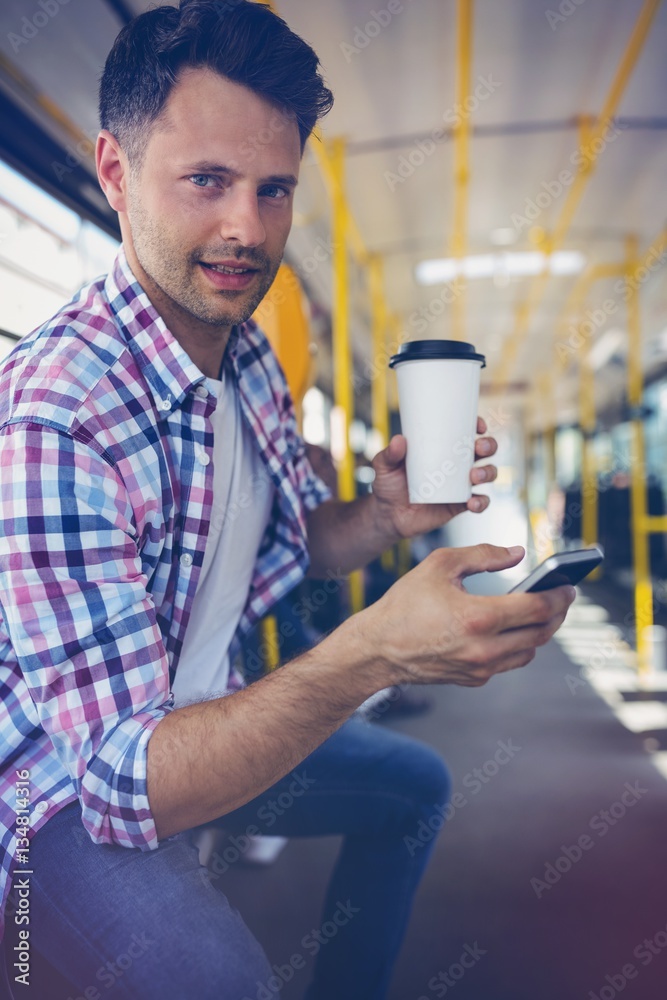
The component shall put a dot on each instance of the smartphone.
(562, 568)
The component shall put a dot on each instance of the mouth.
(231, 276)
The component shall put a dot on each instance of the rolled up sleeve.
(82, 623)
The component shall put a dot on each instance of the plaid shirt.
(105, 501)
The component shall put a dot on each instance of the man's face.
(215, 188)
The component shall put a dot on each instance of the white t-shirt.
(242, 499)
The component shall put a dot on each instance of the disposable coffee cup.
(438, 392)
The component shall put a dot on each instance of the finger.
(470, 559)
(518, 640)
(519, 610)
(392, 455)
(485, 447)
(483, 474)
(477, 503)
(481, 425)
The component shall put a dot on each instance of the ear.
(112, 170)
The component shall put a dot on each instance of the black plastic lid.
(428, 350)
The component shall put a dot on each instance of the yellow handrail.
(462, 153)
(538, 285)
(342, 355)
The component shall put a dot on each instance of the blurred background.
(493, 171)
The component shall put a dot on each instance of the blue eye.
(278, 192)
(200, 177)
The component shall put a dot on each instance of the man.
(132, 426)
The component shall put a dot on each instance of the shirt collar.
(168, 369)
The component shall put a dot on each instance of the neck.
(203, 343)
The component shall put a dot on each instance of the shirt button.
(203, 458)
(165, 405)
(41, 807)
(201, 391)
(186, 560)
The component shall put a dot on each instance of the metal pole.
(589, 492)
(270, 643)
(640, 537)
(342, 355)
(380, 371)
(462, 153)
(538, 286)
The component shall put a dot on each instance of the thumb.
(391, 456)
(482, 558)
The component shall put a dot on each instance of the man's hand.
(427, 629)
(390, 489)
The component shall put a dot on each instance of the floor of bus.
(568, 931)
(540, 941)
(567, 935)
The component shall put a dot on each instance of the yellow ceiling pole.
(531, 443)
(581, 289)
(462, 153)
(342, 353)
(548, 392)
(640, 535)
(573, 307)
(380, 370)
(589, 490)
(623, 73)
(330, 176)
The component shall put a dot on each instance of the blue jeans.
(153, 926)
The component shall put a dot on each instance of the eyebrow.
(208, 167)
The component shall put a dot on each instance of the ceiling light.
(567, 262)
(513, 263)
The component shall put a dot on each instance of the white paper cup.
(438, 391)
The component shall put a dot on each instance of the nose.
(241, 219)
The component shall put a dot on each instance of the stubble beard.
(177, 274)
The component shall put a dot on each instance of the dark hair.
(241, 40)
